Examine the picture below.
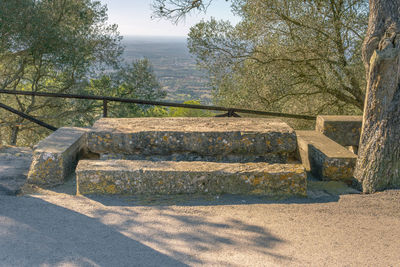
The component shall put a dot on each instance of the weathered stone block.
(325, 158)
(344, 130)
(55, 157)
(171, 177)
(202, 136)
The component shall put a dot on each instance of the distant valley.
(173, 65)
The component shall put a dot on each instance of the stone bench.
(176, 177)
(56, 156)
(344, 130)
(324, 157)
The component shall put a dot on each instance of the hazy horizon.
(153, 38)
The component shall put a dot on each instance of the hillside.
(173, 64)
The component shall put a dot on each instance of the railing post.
(105, 109)
(232, 113)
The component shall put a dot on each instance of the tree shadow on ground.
(37, 232)
(34, 232)
(186, 234)
(206, 199)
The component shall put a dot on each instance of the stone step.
(325, 158)
(344, 130)
(171, 177)
(269, 138)
(232, 158)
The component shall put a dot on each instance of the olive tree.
(284, 55)
(134, 80)
(52, 46)
(378, 164)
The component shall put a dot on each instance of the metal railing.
(230, 112)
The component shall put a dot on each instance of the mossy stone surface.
(169, 177)
(269, 138)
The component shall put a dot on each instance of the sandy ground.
(329, 228)
(58, 229)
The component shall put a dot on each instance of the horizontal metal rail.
(28, 117)
(106, 99)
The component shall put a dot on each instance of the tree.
(285, 55)
(378, 164)
(135, 80)
(53, 46)
(176, 10)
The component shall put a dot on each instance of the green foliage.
(52, 46)
(301, 56)
(189, 112)
(287, 55)
(156, 111)
(64, 47)
(136, 80)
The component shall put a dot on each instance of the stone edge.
(49, 167)
(345, 130)
(315, 161)
(291, 181)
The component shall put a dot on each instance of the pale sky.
(134, 18)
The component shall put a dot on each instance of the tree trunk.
(14, 135)
(378, 164)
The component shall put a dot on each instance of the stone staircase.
(191, 155)
(197, 155)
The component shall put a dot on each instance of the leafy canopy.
(62, 46)
(301, 56)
